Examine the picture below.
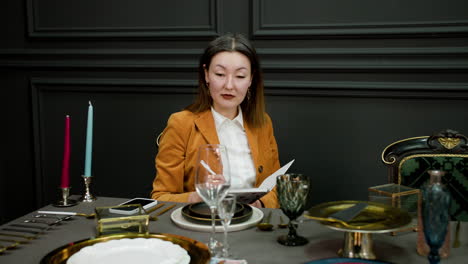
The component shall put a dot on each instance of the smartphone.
(144, 202)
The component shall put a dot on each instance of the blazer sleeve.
(168, 184)
(270, 200)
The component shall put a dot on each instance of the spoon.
(282, 224)
(265, 224)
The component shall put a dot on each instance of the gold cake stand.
(375, 218)
(199, 252)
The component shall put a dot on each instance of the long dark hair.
(253, 106)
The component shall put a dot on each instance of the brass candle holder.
(87, 197)
(65, 201)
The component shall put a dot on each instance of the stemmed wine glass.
(226, 209)
(212, 181)
(292, 190)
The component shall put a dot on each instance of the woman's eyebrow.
(240, 68)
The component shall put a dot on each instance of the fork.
(38, 221)
(53, 216)
(345, 224)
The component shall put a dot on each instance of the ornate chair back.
(408, 161)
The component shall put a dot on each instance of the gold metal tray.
(199, 252)
(375, 218)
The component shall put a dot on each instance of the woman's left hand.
(257, 204)
(194, 198)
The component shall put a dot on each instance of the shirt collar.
(220, 119)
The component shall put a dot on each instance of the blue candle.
(89, 141)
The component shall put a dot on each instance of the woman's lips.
(227, 96)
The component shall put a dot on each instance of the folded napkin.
(349, 213)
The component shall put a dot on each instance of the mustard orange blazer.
(177, 155)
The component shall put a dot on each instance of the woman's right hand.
(194, 198)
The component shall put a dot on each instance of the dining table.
(250, 244)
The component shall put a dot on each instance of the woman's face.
(228, 78)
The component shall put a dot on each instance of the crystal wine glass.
(292, 192)
(212, 180)
(226, 209)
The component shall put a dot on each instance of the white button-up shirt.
(231, 133)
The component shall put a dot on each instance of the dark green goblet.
(292, 190)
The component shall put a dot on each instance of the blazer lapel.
(206, 126)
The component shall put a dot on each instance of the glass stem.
(213, 230)
(292, 229)
(433, 256)
(225, 241)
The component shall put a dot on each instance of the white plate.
(179, 220)
(131, 250)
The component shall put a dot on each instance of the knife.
(349, 213)
(30, 226)
(21, 230)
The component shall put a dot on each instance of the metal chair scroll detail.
(408, 161)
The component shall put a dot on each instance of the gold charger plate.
(375, 218)
(199, 252)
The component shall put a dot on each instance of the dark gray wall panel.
(277, 18)
(338, 141)
(332, 135)
(128, 116)
(343, 80)
(121, 18)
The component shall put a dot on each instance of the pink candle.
(65, 180)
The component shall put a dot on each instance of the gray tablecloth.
(253, 245)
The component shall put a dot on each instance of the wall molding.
(273, 59)
(167, 59)
(114, 85)
(367, 89)
(365, 59)
(263, 30)
(213, 28)
(375, 89)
